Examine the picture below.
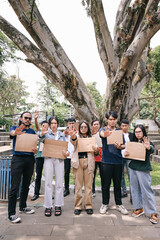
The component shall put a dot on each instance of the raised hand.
(19, 129)
(43, 132)
(72, 133)
(146, 143)
(106, 132)
(36, 114)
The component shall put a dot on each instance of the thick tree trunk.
(124, 57)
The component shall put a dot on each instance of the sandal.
(58, 211)
(154, 218)
(48, 212)
(137, 212)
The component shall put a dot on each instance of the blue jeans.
(142, 193)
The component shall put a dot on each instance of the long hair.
(141, 126)
(89, 130)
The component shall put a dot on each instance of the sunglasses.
(29, 118)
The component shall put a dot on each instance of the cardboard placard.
(54, 148)
(85, 144)
(26, 142)
(116, 136)
(98, 139)
(136, 151)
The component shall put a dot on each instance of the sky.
(68, 21)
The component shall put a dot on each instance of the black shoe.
(34, 197)
(77, 211)
(89, 211)
(66, 192)
(124, 195)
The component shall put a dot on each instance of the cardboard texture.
(116, 136)
(26, 142)
(85, 144)
(54, 148)
(98, 139)
(136, 151)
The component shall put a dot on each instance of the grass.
(155, 174)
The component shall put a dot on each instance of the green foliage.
(7, 49)
(150, 95)
(99, 100)
(50, 98)
(12, 95)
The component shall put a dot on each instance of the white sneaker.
(103, 209)
(93, 195)
(122, 209)
(14, 219)
(27, 210)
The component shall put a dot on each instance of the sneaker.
(14, 219)
(93, 195)
(122, 209)
(137, 212)
(154, 218)
(27, 210)
(103, 209)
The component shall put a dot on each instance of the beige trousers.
(80, 174)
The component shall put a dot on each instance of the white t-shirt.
(126, 137)
(70, 146)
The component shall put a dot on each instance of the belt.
(83, 156)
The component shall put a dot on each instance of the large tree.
(124, 57)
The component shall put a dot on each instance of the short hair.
(71, 119)
(111, 113)
(125, 121)
(53, 118)
(95, 120)
(45, 121)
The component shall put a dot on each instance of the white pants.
(52, 166)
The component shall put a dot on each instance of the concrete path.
(110, 226)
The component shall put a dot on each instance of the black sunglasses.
(29, 118)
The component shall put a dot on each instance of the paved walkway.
(110, 226)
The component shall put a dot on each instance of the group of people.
(110, 158)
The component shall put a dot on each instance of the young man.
(95, 126)
(39, 158)
(127, 137)
(67, 162)
(22, 166)
(111, 166)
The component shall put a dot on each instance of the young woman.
(140, 179)
(83, 166)
(52, 166)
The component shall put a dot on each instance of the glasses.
(83, 127)
(29, 118)
(138, 131)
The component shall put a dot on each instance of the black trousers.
(21, 168)
(97, 165)
(39, 168)
(111, 172)
(67, 168)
